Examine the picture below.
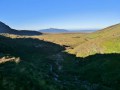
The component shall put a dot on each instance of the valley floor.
(59, 62)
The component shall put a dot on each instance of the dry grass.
(84, 44)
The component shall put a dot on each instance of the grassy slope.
(103, 41)
(33, 71)
(82, 45)
(69, 39)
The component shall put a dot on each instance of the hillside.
(6, 29)
(49, 62)
(29, 63)
(85, 44)
(54, 30)
(103, 41)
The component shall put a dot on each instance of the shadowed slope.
(43, 66)
(6, 29)
(33, 69)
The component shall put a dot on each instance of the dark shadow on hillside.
(32, 72)
(43, 66)
(24, 32)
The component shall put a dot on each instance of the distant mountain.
(6, 29)
(54, 30)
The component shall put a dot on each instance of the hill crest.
(6, 29)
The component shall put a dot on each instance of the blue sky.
(67, 14)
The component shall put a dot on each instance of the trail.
(57, 68)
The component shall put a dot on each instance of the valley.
(65, 61)
(59, 44)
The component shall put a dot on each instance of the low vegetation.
(85, 44)
(49, 62)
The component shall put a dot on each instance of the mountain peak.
(53, 30)
(6, 29)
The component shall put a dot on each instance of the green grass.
(83, 45)
(88, 61)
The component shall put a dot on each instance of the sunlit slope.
(68, 39)
(85, 44)
(103, 41)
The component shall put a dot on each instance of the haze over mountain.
(54, 30)
(6, 29)
(83, 31)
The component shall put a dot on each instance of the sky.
(62, 14)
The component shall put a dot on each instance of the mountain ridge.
(6, 29)
(53, 30)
